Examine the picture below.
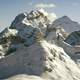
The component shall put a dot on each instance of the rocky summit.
(35, 47)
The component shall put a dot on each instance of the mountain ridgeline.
(36, 46)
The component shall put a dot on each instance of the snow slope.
(42, 59)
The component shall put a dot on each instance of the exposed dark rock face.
(74, 38)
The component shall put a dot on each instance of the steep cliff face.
(32, 48)
(74, 38)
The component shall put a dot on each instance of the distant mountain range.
(67, 24)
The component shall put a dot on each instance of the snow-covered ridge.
(34, 45)
(41, 59)
(68, 24)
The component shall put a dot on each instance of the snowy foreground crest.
(35, 48)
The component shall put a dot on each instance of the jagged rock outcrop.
(56, 33)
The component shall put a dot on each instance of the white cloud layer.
(75, 4)
(30, 3)
(52, 16)
(42, 5)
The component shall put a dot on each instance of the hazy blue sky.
(10, 8)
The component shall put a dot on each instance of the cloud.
(31, 3)
(42, 5)
(75, 4)
(52, 16)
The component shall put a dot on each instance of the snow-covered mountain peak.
(31, 24)
(65, 19)
(34, 18)
(68, 24)
(34, 45)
